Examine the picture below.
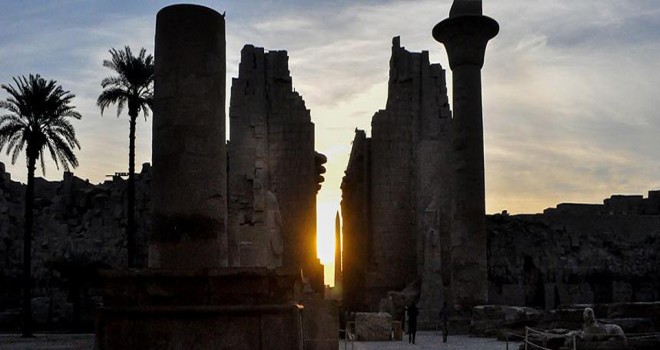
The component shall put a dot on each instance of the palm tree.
(37, 121)
(133, 86)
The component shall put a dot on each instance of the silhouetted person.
(413, 311)
(444, 320)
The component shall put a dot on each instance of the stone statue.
(275, 244)
(403, 298)
(594, 331)
(261, 243)
(386, 305)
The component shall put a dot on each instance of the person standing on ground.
(444, 320)
(413, 311)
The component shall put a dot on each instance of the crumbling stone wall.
(271, 150)
(576, 254)
(79, 227)
(12, 196)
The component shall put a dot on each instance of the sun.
(325, 241)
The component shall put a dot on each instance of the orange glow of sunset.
(325, 241)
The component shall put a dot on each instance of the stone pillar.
(189, 155)
(465, 35)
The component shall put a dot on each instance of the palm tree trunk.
(130, 229)
(27, 250)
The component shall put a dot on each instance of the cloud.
(569, 105)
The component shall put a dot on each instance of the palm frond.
(18, 147)
(53, 154)
(6, 118)
(113, 81)
(64, 153)
(9, 131)
(14, 139)
(8, 106)
(112, 96)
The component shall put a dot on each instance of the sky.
(570, 88)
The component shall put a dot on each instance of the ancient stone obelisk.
(465, 35)
(189, 157)
(338, 253)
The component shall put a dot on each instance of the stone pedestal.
(215, 309)
(320, 322)
(465, 35)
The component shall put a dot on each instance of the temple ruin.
(273, 176)
(571, 253)
(414, 194)
(78, 229)
(406, 238)
(235, 216)
(226, 232)
(576, 254)
(395, 195)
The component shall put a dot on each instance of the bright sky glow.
(570, 87)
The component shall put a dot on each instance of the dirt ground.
(424, 341)
(433, 340)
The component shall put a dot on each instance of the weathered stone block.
(371, 326)
(320, 323)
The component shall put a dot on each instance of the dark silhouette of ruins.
(272, 163)
(414, 226)
(212, 281)
(414, 195)
(465, 35)
(241, 216)
(78, 226)
(577, 254)
(224, 230)
(397, 186)
(572, 253)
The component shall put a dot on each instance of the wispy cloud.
(569, 104)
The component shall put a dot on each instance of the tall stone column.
(465, 35)
(189, 152)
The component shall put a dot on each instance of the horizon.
(568, 88)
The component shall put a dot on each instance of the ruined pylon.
(465, 35)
